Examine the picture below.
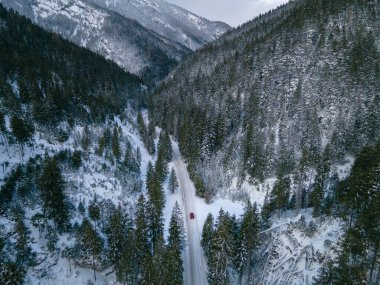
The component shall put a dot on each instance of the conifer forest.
(142, 144)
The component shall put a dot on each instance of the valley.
(143, 144)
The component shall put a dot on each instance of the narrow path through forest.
(194, 262)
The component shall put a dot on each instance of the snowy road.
(194, 262)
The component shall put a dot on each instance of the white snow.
(82, 185)
(194, 262)
(296, 252)
(343, 170)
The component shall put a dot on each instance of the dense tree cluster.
(105, 235)
(266, 98)
(285, 96)
(56, 80)
(147, 134)
(229, 244)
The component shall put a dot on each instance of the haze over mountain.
(234, 14)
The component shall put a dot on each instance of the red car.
(192, 216)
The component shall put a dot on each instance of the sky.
(232, 12)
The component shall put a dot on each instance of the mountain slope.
(113, 36)
(276, 112)
(278, 91)
(53, 79)
(73, 166)
(168, 20)
(139, 44)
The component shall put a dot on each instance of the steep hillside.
(278, 112)
(74, 207)
(53, 80)
(169, 21)
(120, 39)
(277, 93)
(146, 38)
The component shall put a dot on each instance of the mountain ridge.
(124, 40)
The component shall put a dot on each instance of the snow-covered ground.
(296, 247)
(194, 261)
(96, 177)
(294, 252)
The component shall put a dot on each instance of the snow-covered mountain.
(168, 20)
(148, 50)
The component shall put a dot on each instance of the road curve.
(194, 262)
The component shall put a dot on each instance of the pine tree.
(266, 211)
(167, 145)
(142, 244)
(126, 266)
(115, 144)
(81, 208)
(248, 238)
(173, 182)
(117, 235)
(220, 252)
(86, 138)
(207, 233)
(280, 194)
(90, 242)
(11, 274)
(176, 243)
(76, 159)
(146, 137)
(130, 162)
(22, 130)
(52, 185)
(101, 146)
(157, 268)
(320, 187)
(149, 274)
(138, 156)
(156, 204)
(94, 212)
(24, 252)
(176, 237)
(164, 156)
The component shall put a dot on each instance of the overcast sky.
(233, 12)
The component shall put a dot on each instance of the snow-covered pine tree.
(248, 238)
(52, 186)
(116, 144)
(207, 233)
(176, 244)
(142, 234)
(173, 182)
